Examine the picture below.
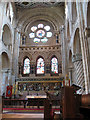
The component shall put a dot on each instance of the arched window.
(26, 69)
(54, 65)
(40, 66)
(41, 33)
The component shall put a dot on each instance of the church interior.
(45, 60)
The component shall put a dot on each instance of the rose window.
(41, 33)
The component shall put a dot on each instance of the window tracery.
(41, 33)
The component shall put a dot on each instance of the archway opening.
(5, 61)
(77, 45)
(6, 37)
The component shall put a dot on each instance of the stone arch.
(53, 54)
(23, 56)
(7, 36)
(5, 61)
(74, 12)
(40, 57)
(76, 42)
(37, 54)
(77, 62)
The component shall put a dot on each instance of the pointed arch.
(26, 65)
(40, 65)
(7, 36)
(76, 43)
(54, 65)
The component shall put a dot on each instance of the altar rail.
(14, 103)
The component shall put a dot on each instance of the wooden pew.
(85, 106)
(69, 103)
(48, 115)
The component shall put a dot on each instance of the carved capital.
(77, 57)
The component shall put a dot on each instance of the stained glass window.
(47, 28)
(44, 40)
(26, 66)
(54, 65)
(40, 66)
(32, 35)
(36, 40)
(49, 34)
(34, 28)
(41, 33)
(40, 25)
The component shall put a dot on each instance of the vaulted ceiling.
(29, 12)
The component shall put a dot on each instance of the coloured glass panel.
(47, 28)
(54, 65)
(40, 66)
(32, 35)
(36, 40)
(44, 40)
(26, 66)
(40, 33)
(40, 25)
(34, 28)
(49, 34)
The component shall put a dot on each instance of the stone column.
(87, 34)
(4, 81)
(16, 52)
(9, 77)
(70, 70)
(84, 48)
(79, 72)
(63, 51)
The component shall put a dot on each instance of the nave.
(45, 59)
